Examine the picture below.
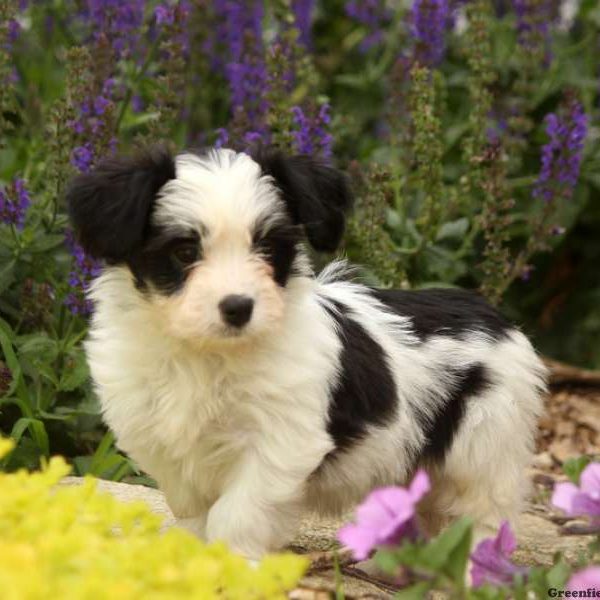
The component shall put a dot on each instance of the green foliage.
(573, 467)
(442, 564)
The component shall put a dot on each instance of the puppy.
(253, 390)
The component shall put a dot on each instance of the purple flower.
(85, 269)
(311, 135)
(430, 20)
(491, 559)
(119, 22)
(14, 202)
(303, 10)
(14, 30)
(240, 32)
(586, 579)
(82, 157)
(164, 15)
(222, 138)
(253, 138)
(137, 103)
(373, 15)
(534, 19)
(100, 104)
(237, 18)
(385, 517)
(561, 156)
(582, 500)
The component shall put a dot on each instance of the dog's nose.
(236, 310)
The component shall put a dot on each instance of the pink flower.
(491, 559)
(582, 500)
(588, 578)
(386, 516)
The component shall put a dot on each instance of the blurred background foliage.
(469, 129)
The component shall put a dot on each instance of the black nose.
(236, 310)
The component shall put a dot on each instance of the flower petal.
(505, 541)
(583, 504)
(419, 486)
(587, 578)
(590, 480)
(361, 540)
(563, 496)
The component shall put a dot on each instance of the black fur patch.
(316, 195)
(440, 431)
(447, 312)
(279, 247)
(155, 262)
(365, 393)
(110, 207)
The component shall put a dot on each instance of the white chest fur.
(188, 417)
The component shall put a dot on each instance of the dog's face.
(212, 240)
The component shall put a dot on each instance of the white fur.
(234, 430)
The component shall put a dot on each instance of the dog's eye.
(186, 253)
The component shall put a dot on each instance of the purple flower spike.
(222, 138)
(491, 559)
(583, 500)
(311, 135)
(430, 19)
(385, 517)
(561, 156)
(82, 157)
(120, 22)
(584, 580)
(535, 19)
(85, 269)
(14, 202)
(165, 15)
(302, 10)
(374, 15)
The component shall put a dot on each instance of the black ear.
(317, 195)
(110, 207)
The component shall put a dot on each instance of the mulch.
(571, 425)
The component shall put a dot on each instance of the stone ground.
(571, 427)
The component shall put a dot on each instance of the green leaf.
(40, 436)
(26, 456)
(7, 337)
(458, 559)
(75, 372)
(449, 551)
(38, 346)
(557, 576)
(47, 242)
(573, 467)
(19, 429)
(387, 561)
(102, 451)
(7, 274)
(36, 429)
(453, 229)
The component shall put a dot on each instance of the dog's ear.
(110, 206)
(317, 195)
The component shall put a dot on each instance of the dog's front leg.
(259, 509)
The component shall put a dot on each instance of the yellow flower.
(77, 543)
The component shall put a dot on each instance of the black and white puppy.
(252, 390)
